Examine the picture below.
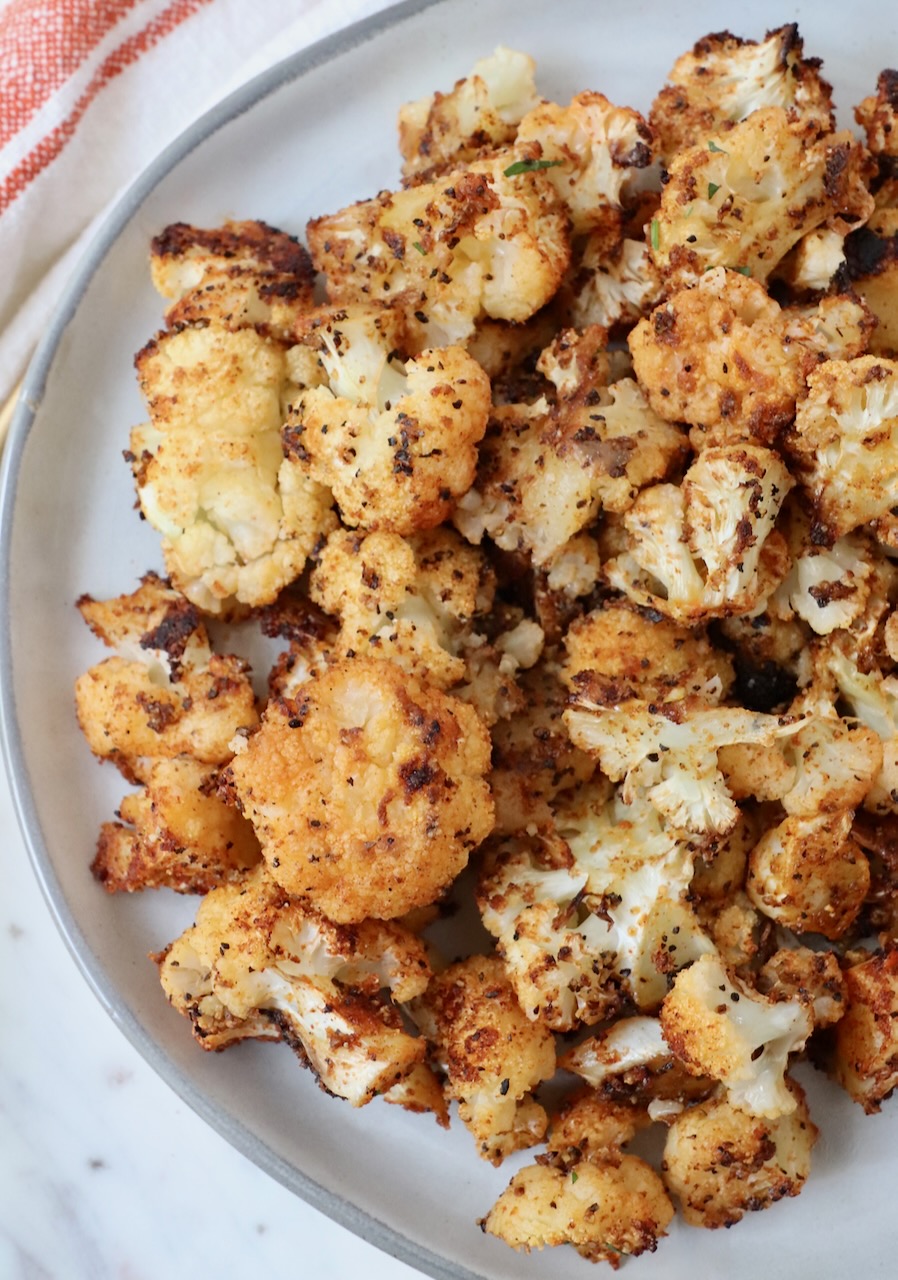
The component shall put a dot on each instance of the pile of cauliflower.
(563, 479)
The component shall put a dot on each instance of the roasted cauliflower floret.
(487, 240)
(845, 443)
(395, 440)
(166, 693)
(813, 977)
(174, 833)
(707, 548)
(253, 951)
(606, 1210)
(244, 274)
(720, 1028)
(742, 198)
(715, 356)
(878, 115)
(588, 1126)
(482, 111)
(723, 79)
(721, 1163)
(865, 1040)
(616, 281)
(809, 875)
(368, 791)
(814, 262)
(237, 521)
(492, 1054)
(412, 601)
(592, 152)
(829, 587)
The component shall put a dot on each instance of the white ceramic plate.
(305, 139)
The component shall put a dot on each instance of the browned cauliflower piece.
(492, 1055)
(707, 548)
(605, 1210)
(844, 435)
(166, 693)
(368, 791)
(813, 977)
(724, 78)
(718, 1027)
(871, 256)
(809, 875)
(244, 274)
(592, 151)
(547, 469)
(395, 440)
(716, 356)
(238, 522)
(587, 1126)
(174, 833)
(878, 115)
(865, 1040)
(533, 757)
(420, 1091)
(257, 958)
(814, 263)
(482, 111)
(742, 198)
(721, 1163)
(828, 587)
(615, 281)
(487, 240)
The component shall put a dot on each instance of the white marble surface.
(104, 1173)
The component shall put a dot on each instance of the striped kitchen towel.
(90, 92)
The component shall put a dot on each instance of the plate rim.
(235, 104)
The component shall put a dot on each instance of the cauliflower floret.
(244, 274)
(809, 875)
(587, 1126)
(592, 152)
(743, 198)
(871, 255)
(254, 952)
(721, 1163)
(828, 587)
(546, 470)
(395, 440)
(237, 522)
(813, 977)
(707, 548)
(493, 1056)
(533, 757)
(166, 693)
(368, 791)
(412, 601)
(718, 1027)
(715, 356)
(488, 240)
(723, 79)
(606, 1210)
(878, 115)
(616, 281)
(845, 443)
(668, 753)
(865, 1040)
(617, 652)
(179, 835)
(814, 262)
(480, 112)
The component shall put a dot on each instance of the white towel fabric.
(90, 92)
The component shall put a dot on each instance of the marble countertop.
(104, 1173)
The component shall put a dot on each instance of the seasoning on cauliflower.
(723, 79)
(547, 470)
(865, 1040)
(396, 441)
(165, 693)
(587, 1126)
(368, 791)
(845, 443)
(493, 1056)
(237, 521)
(592, 151)
(719, 1027)
(742, 198)
(253, 952)
(707, 548)
(813, 977)
(606, 1210)
(174, 833)
(244, 274)
(481, 112)
(809, 875)
(721, 1163)
(487, 240)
